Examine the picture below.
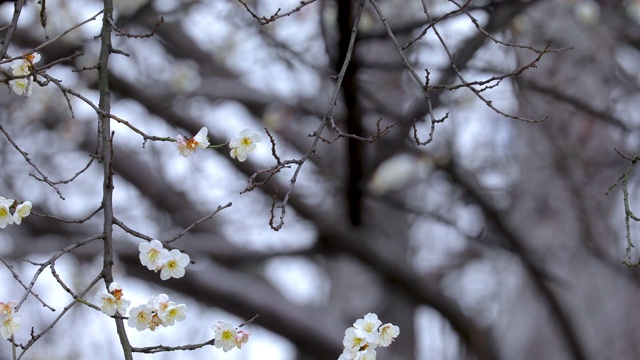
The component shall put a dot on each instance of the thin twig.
(35, 337)
(316, 134)
(264, 20)
(44, 178)
(17, 277)
(53, 258)
(121, 32)
(77, 221)
(185, 231)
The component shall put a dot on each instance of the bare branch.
(264, 20)
(121, 32)
(43, 177)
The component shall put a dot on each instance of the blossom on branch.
(112, 302)
(367, 334)
(352, 341)
(188, 146)
(10, 320)
(170, 263)
(173, 264)
(10, 324)
(8, 307)
(150, 254)
(5, 214)
(158, 311)
(225, 335)
(387, 333)
(21, 86)
(367, 327)
(107, 303)
(22, 211)
(366, 354)
(23, 67)
(168, 311)
(244, 144)
(139, 317)
(174, 313)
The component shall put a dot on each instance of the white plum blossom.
(139, 317)
(225, 335)
(174, 313)
(367, 354)
(244, 144)
(22, 211)
(159, 305)
(150, 254)
(10, 324)
(159, 302)
(112, 302)
(173, 264)
(21, 86)
(367, 334)
(23, 67)
(121, 303)
(387, 333)
(367, 327)
(169, 263)
(187, 147)
(10, 320)
(107, 303)
(8, 307)
(8, 202)
(5, 215)
(158, 311)
(352, 341)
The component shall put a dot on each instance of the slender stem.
(12, 28)
(106, 152)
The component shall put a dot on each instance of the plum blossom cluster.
(171, 264)
(10, 320)
(366, 334)
(228, 336)
(187, 147)
(241, 146)
(158, 311)
(20, 211)
(244, 144)
(112, 302)
(23, 67)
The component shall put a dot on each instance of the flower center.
(192, 144)
(117, 293)
(142, 316)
